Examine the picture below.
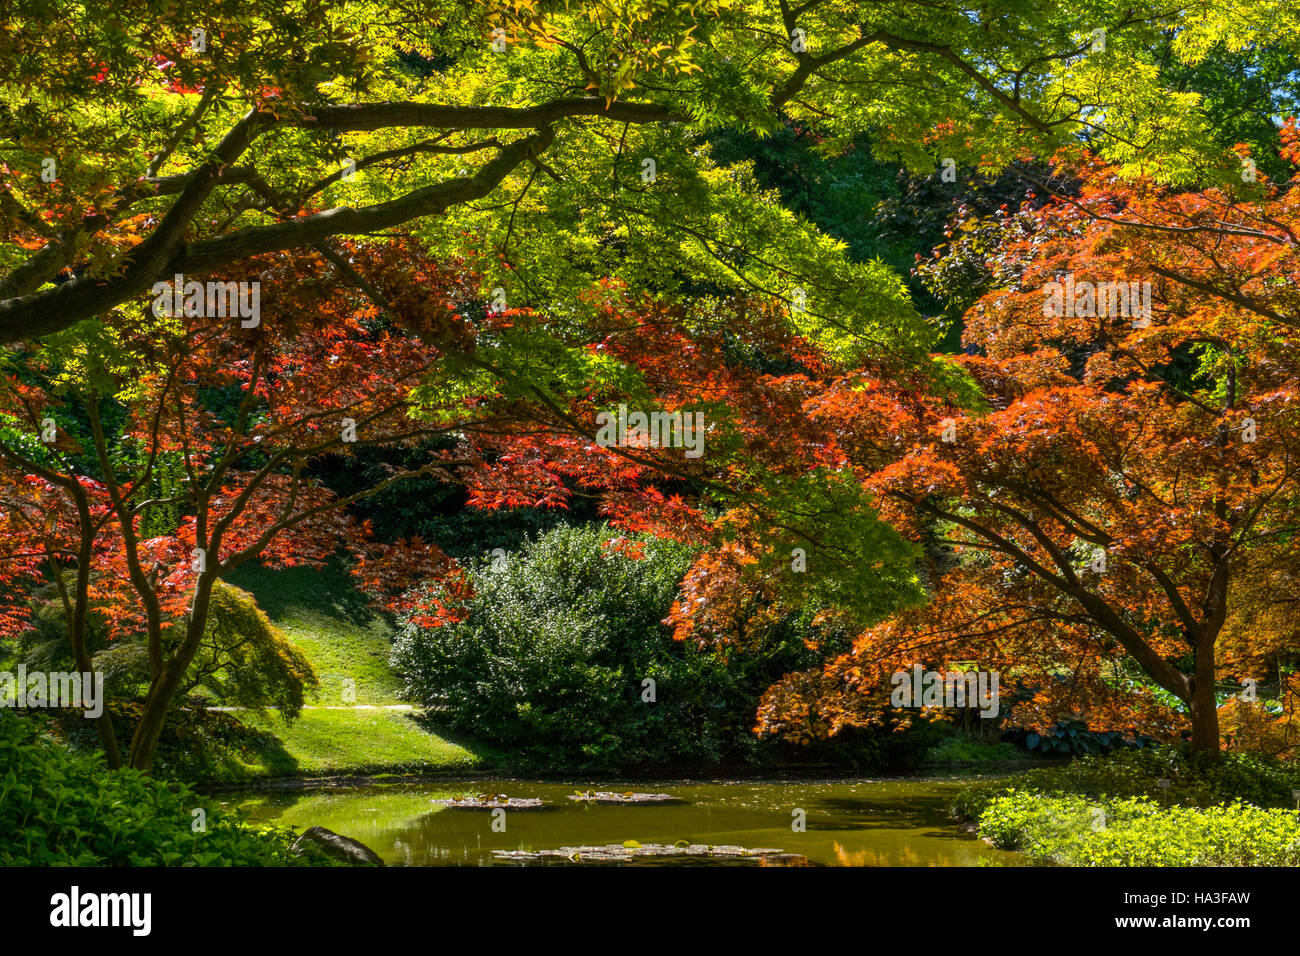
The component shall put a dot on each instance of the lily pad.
(496, 801)
(631, 850)
(609, 796)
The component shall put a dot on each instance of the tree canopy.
(185, 137)
(241, 239)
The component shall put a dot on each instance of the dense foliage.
(1135, 832)
(477, 227)
(59, 807)
(1121, 500)
(252, 135)
(552, 656)
(243, 660)
(1160, 806)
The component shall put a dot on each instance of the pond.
(848, 823)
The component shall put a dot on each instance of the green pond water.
(848, 823)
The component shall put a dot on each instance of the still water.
(848, 823)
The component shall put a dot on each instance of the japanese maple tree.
(1129, 479)
(240, 415)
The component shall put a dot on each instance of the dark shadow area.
(196, 744)
(323, 590)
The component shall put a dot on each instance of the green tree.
(183, 137)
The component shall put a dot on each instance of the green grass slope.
(324, 614)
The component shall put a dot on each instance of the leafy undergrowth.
(59, 807)
(1164, 806)
(1077, 831)
(1189, 779)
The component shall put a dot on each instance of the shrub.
(1072, 737)
(246, 660)
(959, 749)
(243, 659)
(1076, 831)
(59, 807)
(1259, 727)
(1194, 779)
(1049, 812)
(551, 658)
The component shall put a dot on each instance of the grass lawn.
(322, 743)
(324, 614)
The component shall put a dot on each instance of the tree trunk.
(1205, 719)
(1204, 708)
(104, 722)
(77, 625)
(144, 743)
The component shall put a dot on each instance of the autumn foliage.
(1100, 506)
(1124, 498)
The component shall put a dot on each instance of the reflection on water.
(854, 823)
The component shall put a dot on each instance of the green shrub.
(1077, 831)
(1073, 738)
(551, 659)
(196, 744)
(243, 659)
(1034, 824)
(959, 749)
(62, 808)
(971, 801)
(1236, 810)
